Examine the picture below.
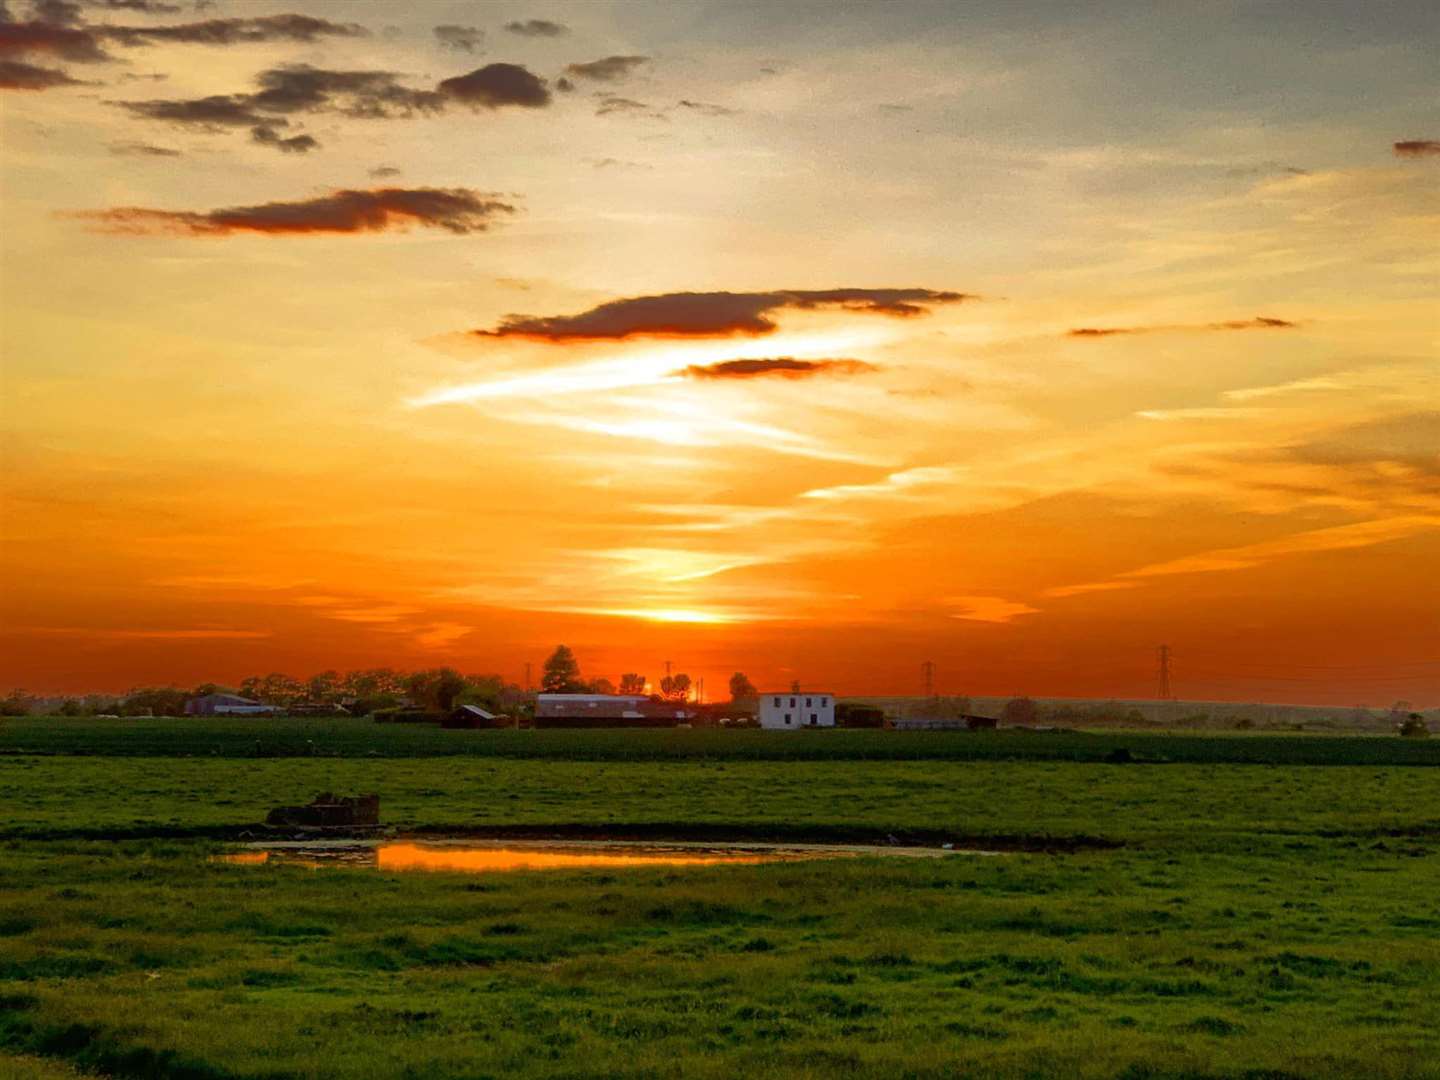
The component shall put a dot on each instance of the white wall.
(805, 708)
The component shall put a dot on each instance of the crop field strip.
(257, 737)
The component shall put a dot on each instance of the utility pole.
(527, 676)
(1166, 694)
(927, 675)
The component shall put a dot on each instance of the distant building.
(796, 709)
(965, 722)
(608, 710)
(473, 716)
(225, 705)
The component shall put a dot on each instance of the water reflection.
(488, 859)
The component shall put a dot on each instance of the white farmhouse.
(793, 709)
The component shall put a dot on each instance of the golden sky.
(804, 340)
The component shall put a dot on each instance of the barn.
(607, 710)
(225, 705)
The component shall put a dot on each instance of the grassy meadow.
(1264, 921)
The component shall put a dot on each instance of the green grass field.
(1257, 921)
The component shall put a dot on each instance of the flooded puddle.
(482, 858)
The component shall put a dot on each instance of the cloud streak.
(1260, 322)
(609, 69)
(1417, 148)
(305, 29)
(782, 367)
(346, 211)
(18, 75)
(712, 314)
(537, 28)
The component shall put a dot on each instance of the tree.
(1020, 710)
(157, 701)
(602, 686)
(741, 688)
(1414, 727)
(71, 707)
(483, 690)
(274, 689)
(449, 684)
(562, 673)
(437, 688)
(676, 687)
(632, 683)
(373, 682)
(324, 686)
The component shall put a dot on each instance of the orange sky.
(249, 425)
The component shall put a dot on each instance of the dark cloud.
(145, 7)
(264, 28)
(209, 113)
(384, 172)
(537, 28)
(51, 33)
(706, 109)
(610, 69)
(781, 367)
(59, 12)
(18, 75)
(461, 38)
(75, 44)
(496, 85)
(1260, 322)
(458, 210)
(134, 149)
(295, 144)
(1417, 148)
(564, 85)
(368, 95)
(712, 314)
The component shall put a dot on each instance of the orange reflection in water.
(416, 857)
(476, 860)
(246, 857)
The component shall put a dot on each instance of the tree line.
(370, 690)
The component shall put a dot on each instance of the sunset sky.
(809, 339)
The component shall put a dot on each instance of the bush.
(1415, 727)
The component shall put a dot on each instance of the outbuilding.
(608, 710)
(792, 709)
(226, 705)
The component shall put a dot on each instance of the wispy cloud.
(456, 210)
(1260, 322)
(713, 314)
(989, 609)
(783, 367)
